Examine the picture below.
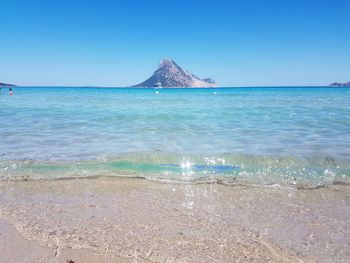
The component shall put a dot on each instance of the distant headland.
(171, 75)
(6, 85)
(337, 84)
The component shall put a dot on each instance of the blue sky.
(120, 43)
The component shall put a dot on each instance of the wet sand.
(15, 248)
(135, 220)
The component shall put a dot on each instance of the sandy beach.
(174, 131)
(135, 220)
(15, 248)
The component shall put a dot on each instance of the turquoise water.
(286, 136)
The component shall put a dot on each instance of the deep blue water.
(255, 135)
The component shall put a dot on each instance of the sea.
(262, 136)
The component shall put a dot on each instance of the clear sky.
(120, 43)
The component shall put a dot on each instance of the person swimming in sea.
(10, 91)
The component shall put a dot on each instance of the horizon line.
(218, 87)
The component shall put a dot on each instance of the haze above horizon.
(120, 43)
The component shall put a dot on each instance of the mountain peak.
(166, 61)
(171, 75)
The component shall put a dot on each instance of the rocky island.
(337, 84)
(171, 75)
(6, 85)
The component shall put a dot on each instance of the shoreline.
(211, 181)
(132, 219)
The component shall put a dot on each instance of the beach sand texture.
(135, 220)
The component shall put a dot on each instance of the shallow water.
(284, 136)
(153, 222)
